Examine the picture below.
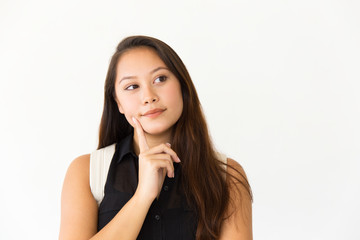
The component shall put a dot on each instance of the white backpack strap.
(99, 167)
(223, 158)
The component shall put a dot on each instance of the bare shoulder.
(237, 176)
(78, 173)
(235, 168)
(80, 165)
(238, 225)
(78, 206)
(77, 176)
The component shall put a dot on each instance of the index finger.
(141, 135)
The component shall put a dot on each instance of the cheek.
(175, 97)
(128, 108)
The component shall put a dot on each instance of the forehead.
(138, 60)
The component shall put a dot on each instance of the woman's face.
(147, 90)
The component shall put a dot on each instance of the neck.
(152, 140)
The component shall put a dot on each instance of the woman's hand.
(154, 163)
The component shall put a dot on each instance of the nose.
(149, 95)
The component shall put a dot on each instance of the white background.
(278, 81)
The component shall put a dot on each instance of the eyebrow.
(151, 72)
(159, 68)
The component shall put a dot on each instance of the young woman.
(165, 179)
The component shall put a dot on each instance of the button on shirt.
(169, 216)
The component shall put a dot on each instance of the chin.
(157, 130)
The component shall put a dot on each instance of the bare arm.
(239, 225)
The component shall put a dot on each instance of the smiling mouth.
(153, 113)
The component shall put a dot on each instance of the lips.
(153, 112)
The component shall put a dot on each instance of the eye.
(131, 87)
(160, 79)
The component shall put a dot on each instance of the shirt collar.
(126, 147)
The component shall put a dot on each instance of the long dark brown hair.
(202, 179)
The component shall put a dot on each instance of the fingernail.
(133, 118)
(173, 175)
(179, 159)
(168, 144)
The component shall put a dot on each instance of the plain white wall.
(278, 80)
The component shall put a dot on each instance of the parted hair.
(202, 173)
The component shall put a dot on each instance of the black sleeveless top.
(169, 216)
